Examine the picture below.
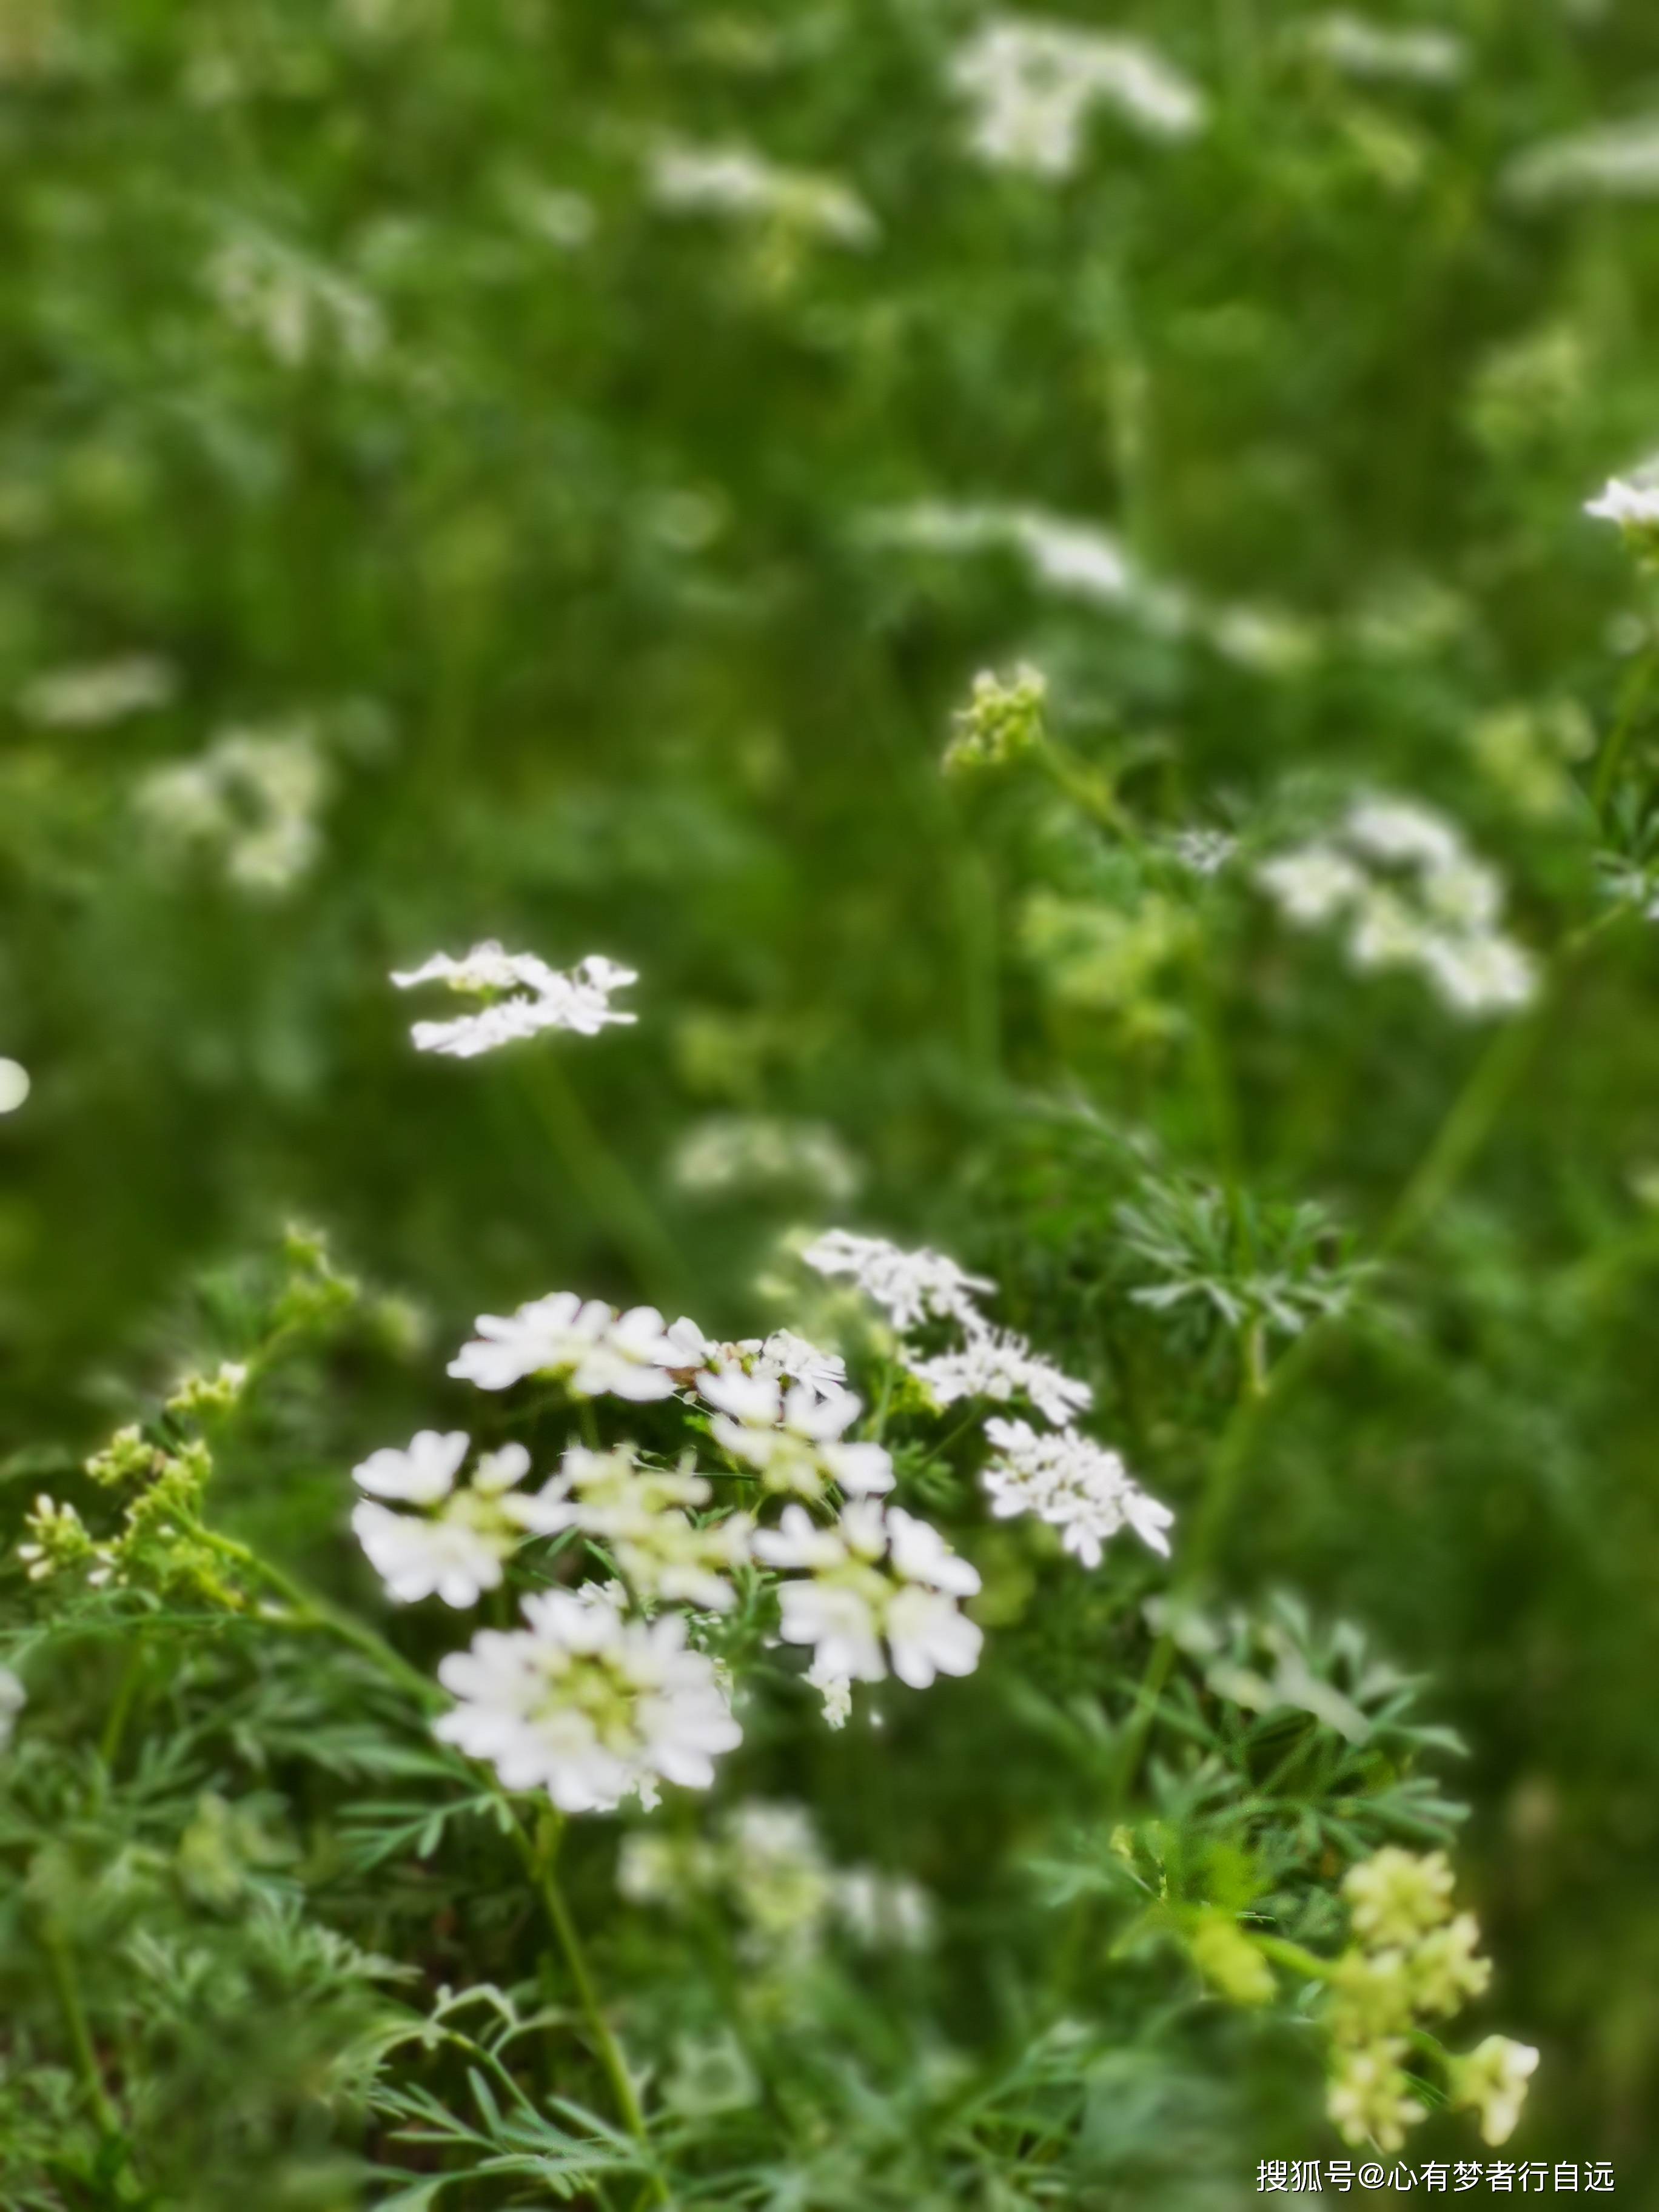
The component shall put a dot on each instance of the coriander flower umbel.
(642, 1516)
(784, 1355)
(1633, 506)
(793, 1439)
(525, 996)
(1074, 1483)
(595, 1351)
(1492, 2081)
(1397, 1896)
(1032, 83)
(912, 1287)
(1370, 2099)
(997, 1365)
(589, 1706)
(874, 1579)
(458, 1551)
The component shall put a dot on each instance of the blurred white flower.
(590, 1706)
(1312, 883)
(997, 1365)
(421, 1473)
(740, 1152)
(293, 305)
(1032, 83)
(793, 1438)
(1632, 506)
(13, 1084)
(911, 1287)
(108, 691)
(1360, 47)
(836, 1692)
(1615, 161)
(458, 1551)
(1493, 2080)
(642, 1516)
(884, 1911)
(735, 182)
(536, 998)
(880, 1585)
(586, 1345)
(13, 1698)
(1074, 1483)
(252, 798)
(1202, 852)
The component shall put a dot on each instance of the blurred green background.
(520, 553)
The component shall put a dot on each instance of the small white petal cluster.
(295, 307)
(458, 1545)
(13, 1084)
(1359, 47)
(910, 1287)
(525, 996)
(1634, 505)
(583, 1343)
(740, 1152)
(1075, 1485)
(13, 1698)
(1064, 1477)
(879, 1586)
(88, 698)
(1408, 893)
(252, 800)
(793, 1437)
(733, 182)
(1618, 161)
(589, 1706)
(1031, 85)
(1077, 559)
(642, 1516)
(1492, 2081)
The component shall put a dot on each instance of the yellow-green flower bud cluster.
(999, 722)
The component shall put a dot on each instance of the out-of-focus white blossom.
(1370, 2099)
(587, 1705)
(1074, 1483)
(295, 307)
(1077, 559)
(743, 1151)
(459, 1550)
(106, 691)
(13, 1084)
(1401, 881)
(13, 1698)
(252, 800)
(997, 1365)
(836, 1692)
(793, 1438)
(1632, 504)
(586, 1345)
(733, 182)
(1202, 852)
(422, 1473)
(524, 995)
(1492, 2081)
(1614, 161)
(879, 1585)
(1031, 85)
(642, 1514)
(1360, 47)
(910, 1287)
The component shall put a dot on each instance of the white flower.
(422, 1473)
(586, 1345)
(1361, 48)
(85, 698)
(783, 1356)
(1074, 1483)
(540, 998)
(1311, 883)
(1631, 506)
(873, 1575)
(1368, 2099)
(884, 1910)
(1400, 829)
(734, 1151)
(793, 1438)
(643, 1515)
(13, 1084)
(1493, 2079)
(251, 800)
(293, 305)
(1032, 83)
(1202, 852)
(1619, 160)
(912, 1287)
(836, 1692)
(733, 182)
(996, 1364)
(1480, 974)
(587, 1705)
(13, 1698)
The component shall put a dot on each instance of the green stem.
(540, 1857)
(1636, 685)
(318, 1613)
(126, 1690)
(68, 1991)
(1299, 1960)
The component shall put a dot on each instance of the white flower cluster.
(588, 1704)
(13, 1698)
(1618, 161)
(767, 1863)
(736, 1151)
(252, 800)
(457, 1548)
(642, 1517)
(1408, 893)
(733, 182)
(295, 306)
(525, 996)
(1064, 1477)
(1632, 503)
(13, 1084)
(106, 691)
(880, 1586)
(583, 1343)
(1360, 47)
(1032, 84)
